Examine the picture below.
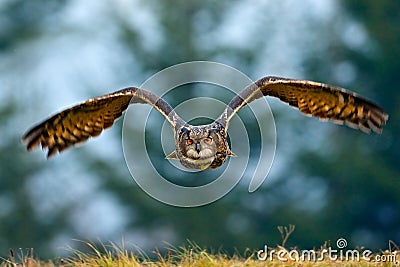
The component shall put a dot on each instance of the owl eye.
(207, 140)
(189, 141)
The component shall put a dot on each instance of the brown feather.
(89, 119)
(315, 99)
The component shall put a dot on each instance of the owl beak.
(198, 147)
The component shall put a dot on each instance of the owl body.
(204, 146)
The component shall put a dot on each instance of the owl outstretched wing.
(89, 118)
(314, 99)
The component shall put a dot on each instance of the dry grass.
(192, 255)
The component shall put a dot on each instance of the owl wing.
(315, 99)
(89, 118)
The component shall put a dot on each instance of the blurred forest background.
(328, 180)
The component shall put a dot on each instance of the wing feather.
(88, 119)
(314, 99)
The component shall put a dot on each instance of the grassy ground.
(191, 255)
(194, 255)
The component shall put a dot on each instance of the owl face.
(201, 147)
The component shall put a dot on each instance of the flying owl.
(205, 146)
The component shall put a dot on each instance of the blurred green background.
(328, 180)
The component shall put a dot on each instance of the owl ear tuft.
(172, 155)
(231, 154)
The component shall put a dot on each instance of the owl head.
(200, 147)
